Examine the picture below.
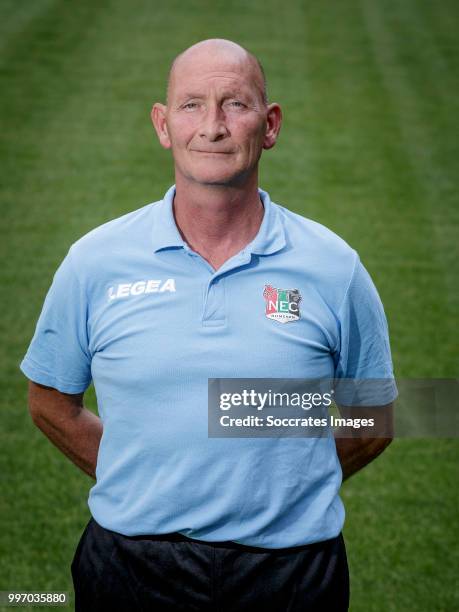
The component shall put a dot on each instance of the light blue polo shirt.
(136, 311)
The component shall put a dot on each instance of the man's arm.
(62, 417)
(355, 453)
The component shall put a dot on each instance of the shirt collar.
(269, 239)
(165, 232)
(271, 235)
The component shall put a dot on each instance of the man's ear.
(158, 118)
(273, 125)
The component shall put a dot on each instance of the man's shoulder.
(310, 235)
(318, 254)
(114, 244)
(133, 222)
(116, 235)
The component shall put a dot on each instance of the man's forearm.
(356, 453)
(78, 438)
(368, 442)
(75, 430)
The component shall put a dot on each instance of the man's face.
(216, 121)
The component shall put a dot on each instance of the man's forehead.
(202, 69)
(217, 61)
(200, 81)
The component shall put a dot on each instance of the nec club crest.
(282, 305)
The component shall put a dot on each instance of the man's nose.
(213, 125)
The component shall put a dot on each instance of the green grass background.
(369, 147)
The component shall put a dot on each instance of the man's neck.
(217, 221)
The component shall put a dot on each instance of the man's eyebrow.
(230, 93)
(187, 95)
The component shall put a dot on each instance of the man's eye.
(190, 105)
(236, 104)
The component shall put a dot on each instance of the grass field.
(369, 147)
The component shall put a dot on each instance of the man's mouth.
(212, 152)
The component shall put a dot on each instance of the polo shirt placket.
(269, 240)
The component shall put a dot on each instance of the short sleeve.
(58, 355)
(364, 350)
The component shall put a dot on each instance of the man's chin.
(219, 179)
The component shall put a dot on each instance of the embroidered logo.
(282, 305)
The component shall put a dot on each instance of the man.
(152, 305)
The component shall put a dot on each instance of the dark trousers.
(174, 573)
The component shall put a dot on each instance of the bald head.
(220, 50)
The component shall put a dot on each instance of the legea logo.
(140, 287)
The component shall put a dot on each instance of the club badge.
(282, 305)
